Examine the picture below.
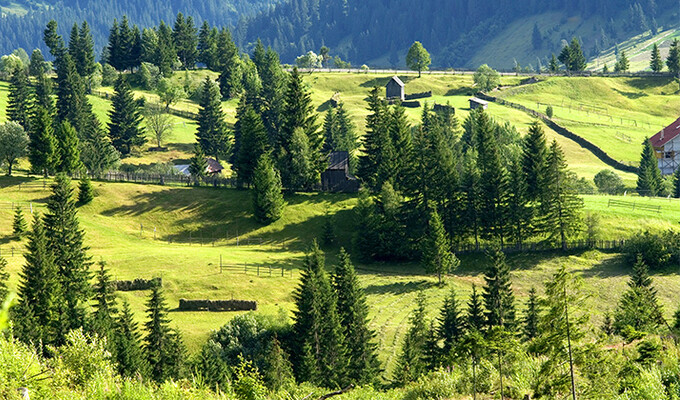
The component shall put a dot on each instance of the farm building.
(337, 178)
(213, 168)
(395, 89)
(476, 103)
(666, 144)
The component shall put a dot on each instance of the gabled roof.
(338, 160)
(397, 80)
(666, 134)
(213, 166)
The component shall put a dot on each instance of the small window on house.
(669, 154)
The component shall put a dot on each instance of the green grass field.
(180, 233)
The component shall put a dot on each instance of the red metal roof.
(666, 134)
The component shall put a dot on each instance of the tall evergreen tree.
(66, 242)
(207, 45)
(85, 190)
(279, 371)
(230, 66)
(437, 255)
(43, 95)
(251, 143)
(37, 314)
(475, 319)
(81, 49)
(451, 323)
(37, 65)
(18, 224)
(198, 165)
(128, 350)
(42, 147)
(186, 40)
(166, 51)
(19, 99)
(639, 307)
(656, 63)
(268, 200)
(673, 60)
(271, 95)
(499, 299)
(125, 117)
(534, 155)
(104, 315)
(68, 149)
(212, 133)
(572, 56)
(520, 211)
(72, 102)
(553, 66)
(378, 146)
(561, 207)
(531, 316)
(299, 162)
(470, 188)
(411, 363)
(158, 342)
(649, 182)
(363, 367)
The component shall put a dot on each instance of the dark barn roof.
(338, 161)
(397, 80)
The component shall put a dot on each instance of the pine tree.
(378, 145)
(129, 355)
(553, 66)
(400, 135)
(271, 96)
(298, 114)
(43, 95)
(19, 99)
(320, 347)
(493, 180)
(18, 225)
(125, 118)
(158, 341)
(328, 236)
(475, 319)
(531, 315)
(470, 188)
(231, 67)
(656, 63)
(85, 190)
(198, 165)
(520, 211)
(560, 205)
(411, 363)
(499, 299)
(345, 138)
(37, 66)
(66, 242)
(68, 149)
(186, 40)
(437, 255)
(639, 307)
(363, 367)
(251, 143)
(81, 49)
(212, 132)
(673, 60)
(103, 318)
(622, 64)
(72, 102)
(299, 162)
(279, 371)
(268, 200)
(4, 277)
(534, 155)
(98, 154)
(37, 314)
(207, 45)
(42, 147)
(451, 324)
(649, 182)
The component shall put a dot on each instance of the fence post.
(245, 268)
(220, 263)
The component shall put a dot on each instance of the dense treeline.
(25, 31)
(452, 30)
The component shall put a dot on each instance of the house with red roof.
(666, 144)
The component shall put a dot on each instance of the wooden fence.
(180, 113)
(633, 205)
(608, 245)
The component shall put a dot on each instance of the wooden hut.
(395, 89)
(337, 178)
(476, 103)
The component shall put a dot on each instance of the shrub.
(81, 360)
(656, 249)
(608, 182)
(549, 111)
(438, 385)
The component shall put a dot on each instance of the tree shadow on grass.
(399, 287)
(631, 95)
(613, 267)
(649, 82)
(462, 91)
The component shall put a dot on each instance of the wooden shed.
(476, 103)
(337, 178)
(395, 89)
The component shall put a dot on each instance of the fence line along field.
(191, 271)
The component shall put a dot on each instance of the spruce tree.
(531, 315)
(186, 40)
(66, 242)
(251, 144)
(345, 138)
(328, 236)
(378, 146)
(656, 63)
(639, 307)
(125, 117)
(561, 207)
(72, 102)
(37, 314)
(520, 211)
(81, 49)
(471, 208)
(207, 45)
(451, 323)
(363, 367)
(85, 190)
(475, 319)
(534, 155)
(68, 149)
(128, 351)
(649, 182)
(436, 249)
(19, 99)
(299, 163)
(198, 165)
(43, 95)
(42, 147)
(37, 65)
(499, 299)
(103, 318)
(4, 277)
(268, 200)
(400, 135)
(19, 223)
(673, 60)
(231, 76)
(320, 346)
(553, 66)
(158, 341)
(279, 371)
(271, 96)
(411, 363)
(212, 132)
(329, 130)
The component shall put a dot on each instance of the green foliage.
(486, 79)
(103, 317)
(212, 134)
(13, 144)
(411, 364)
(657, 250)
(82, 359)
(248, 384)
(572, 56)
(186, 40)
(437, 255)
(451, 324)
(268, 202)
(4, 277)
(124, 129)
(375, 162)
(98, 154)
(42, 148)
(649, 182)
(417, 58)
(622, 64)
(328, 234)
(673, 60)
(198, 164)
(609, 182)
(656, 63)
(549, 111)
(676, 184)
(19, 99)
(250, 144)
(130, 359)
(85, 190)
(531, 316)
(19, 227)
(498, 297)
(160, 344)
(639, 307)
(169, 92)
(68, 149)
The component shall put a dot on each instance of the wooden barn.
(337, 178)
(666, 144)
(395, 89)
(476, 103)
